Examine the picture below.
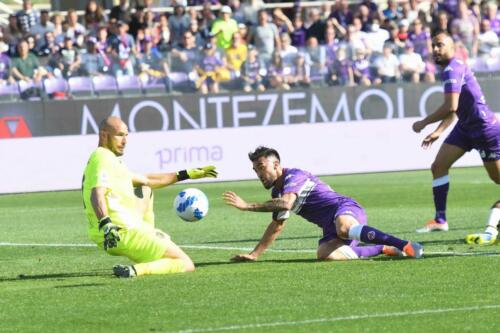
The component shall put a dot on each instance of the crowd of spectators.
(241, 45)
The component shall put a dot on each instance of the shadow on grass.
(255, 240)
(56, 276)
(81, 285)
(458, 241)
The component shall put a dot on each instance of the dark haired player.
(342, 219)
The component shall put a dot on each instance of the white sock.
(491, 228)
(440, 181)
(355, 232)
(347, 252)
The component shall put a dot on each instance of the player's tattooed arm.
(274, 205)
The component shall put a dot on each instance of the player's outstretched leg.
(173, 261)
(154, 253)
(349, 228)
(447, 155)
(336, 249)
(490, 234)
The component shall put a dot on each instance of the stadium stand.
(142, 48)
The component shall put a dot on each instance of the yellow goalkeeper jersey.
(105, 169)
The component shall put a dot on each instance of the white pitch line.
(332, 319)
(234, 248)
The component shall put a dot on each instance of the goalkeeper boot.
(481, 239)
(414, 250)
(434, 225)
(123, 271)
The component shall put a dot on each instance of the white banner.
(57, 163)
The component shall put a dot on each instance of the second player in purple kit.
(341, 218)
(476, 128)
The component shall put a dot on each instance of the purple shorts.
(486, 141)
(348, 208)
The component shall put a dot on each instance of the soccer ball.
(191, 205)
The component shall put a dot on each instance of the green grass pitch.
(66, 286)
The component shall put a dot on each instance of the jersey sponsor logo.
(288, 177)
(450, 81)
(290, 184)
(448, 69)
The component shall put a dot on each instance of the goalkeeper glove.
(206, 171)
(111, 235)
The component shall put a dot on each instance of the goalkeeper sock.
(160, 267)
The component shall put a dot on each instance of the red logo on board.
(14, 127)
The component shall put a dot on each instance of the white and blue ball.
(191, 205)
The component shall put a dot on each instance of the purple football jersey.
(316, 201)
(209, 63)
(473, 113)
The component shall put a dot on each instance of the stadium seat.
(30, 91)
(56, 88)
(105, 85)
(9, 92)
(180, 81)
(80, 86)
(129, 85)
(156, 86)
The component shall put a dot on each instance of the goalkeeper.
(119, 207)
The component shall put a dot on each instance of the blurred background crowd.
(249, 45)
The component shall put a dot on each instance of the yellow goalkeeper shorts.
(141, 244)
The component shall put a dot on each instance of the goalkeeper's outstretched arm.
(159, 180)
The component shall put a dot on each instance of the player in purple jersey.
(477, 128)
(342, 219)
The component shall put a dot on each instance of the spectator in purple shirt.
(207, 68)
(5, 66)
(361, 69)
(342, 13)
(276, 74)
(282, 21)
(342, 220)
(465, 26)
(340, 72)
(253, 72)
(299, 33)
(492, 14)
(420, 38)
(331, 45)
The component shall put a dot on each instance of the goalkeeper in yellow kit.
(119, 207)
